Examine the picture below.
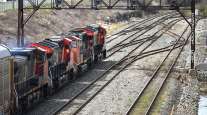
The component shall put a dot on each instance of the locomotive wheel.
(23, 105)
(89, 63)
(69, 76)
(72, 75)
(104, 54)
(79, 72)
(96, 58)
(56, 83)
(45, 90)
(20, 110)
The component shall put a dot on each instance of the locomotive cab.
(77, 62)
(101, 33)
(86, 47)
(64, 44)
(27, 86)
(99, 38)
(24, 76)
(75, 47)
(56, 55)
(6, 77)
(59, 72)
(42, 64)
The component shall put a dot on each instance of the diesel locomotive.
(31, 73)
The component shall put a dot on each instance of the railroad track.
(134, 40)
(163, 17)
(146, 98)
(129, 62)
(134, 26)
(50, 107)
(156, 51)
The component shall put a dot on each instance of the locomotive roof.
(89, 31)
(94, 26)
(22, 51)
(81, 31)
(74, 38)
(42, 48)
(67, 41)
(91, 28)
(77, 31)
(49, 43)
(55, 38)
(4, 51)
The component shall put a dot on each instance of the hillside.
(48, 22)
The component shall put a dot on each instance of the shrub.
(203, 10)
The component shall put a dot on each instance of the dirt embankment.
(49, 22)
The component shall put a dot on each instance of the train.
(31, 73)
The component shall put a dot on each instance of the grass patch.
(144, 101)
(203, 10)
(113, 27)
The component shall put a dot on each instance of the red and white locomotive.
(29, 74)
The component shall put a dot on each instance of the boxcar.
(6, 77)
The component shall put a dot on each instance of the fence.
(10, 5)
(13, 4)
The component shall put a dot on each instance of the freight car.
(30, 74)
(5, 80)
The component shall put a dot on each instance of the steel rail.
(138, 41)
(165, 17)
(159, 20)
(120, 46)
(153, 52)
(114, 76)
(74, 97)
(134, 26)
(168, 73)
(153, 76)
(165, 78)
(94, 81)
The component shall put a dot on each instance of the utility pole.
(20, 32)
(193, 32)
(160, 3)
(13, 4)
